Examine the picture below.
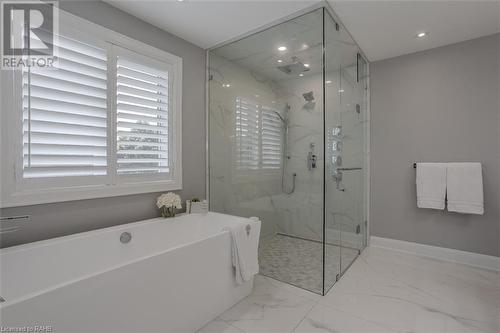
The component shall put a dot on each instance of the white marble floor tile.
(414, 294)
(270, 308)
(325, 319)
(219, 326)
(264, 284)
(383, 291)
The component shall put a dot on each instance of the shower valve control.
(311, 161)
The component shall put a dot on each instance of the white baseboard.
(441, 253)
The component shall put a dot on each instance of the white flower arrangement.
(169, 200)
(168, 203)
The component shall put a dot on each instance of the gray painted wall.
(52, 220)
(439, 105)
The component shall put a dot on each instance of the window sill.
(44, 196)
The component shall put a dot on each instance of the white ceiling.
(209, 22)
(383, 29)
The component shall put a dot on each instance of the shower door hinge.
(337, 26)
(337, 277)
(358, 229)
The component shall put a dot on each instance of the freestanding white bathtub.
(174, 275)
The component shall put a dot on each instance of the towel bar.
(415, 166)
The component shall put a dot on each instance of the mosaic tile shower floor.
(299, 261)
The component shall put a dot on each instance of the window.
(272, 139)
(142, 103)
(259, 136)
(65, 115)
(106, 122)
(247, 135)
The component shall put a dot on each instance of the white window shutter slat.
(64, 114)
(259, 136)
(272, 139)
(142, 119)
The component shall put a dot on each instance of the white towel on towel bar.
(244, 249)
(431, 185)
(465, 188)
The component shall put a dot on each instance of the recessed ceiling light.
(328, 82)
(305, 46)
(301, 74)
(341, 90)
(226, 85)
(421, 34)
(307, 65)
(282, 48)
(280, 61)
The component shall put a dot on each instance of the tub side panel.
(178, 291)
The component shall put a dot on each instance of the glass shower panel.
(266, 143)
(333, 151)
(351, 197)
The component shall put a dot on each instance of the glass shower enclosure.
(288, 122)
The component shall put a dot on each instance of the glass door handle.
(349, 169)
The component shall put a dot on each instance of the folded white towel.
(431, 185)
(244, 249)
(465, 188)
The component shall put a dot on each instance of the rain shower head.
(296, 67)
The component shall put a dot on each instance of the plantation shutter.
(259, 136)
(247, 135)
(272, 139)
(143, 107)
(64, 114)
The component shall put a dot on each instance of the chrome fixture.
(296, 67)
(285, 157)
(12, 223)
(125, 237)
(311, 158)
(339, 175)
(349, 169)
(310, 103)
(308, 96)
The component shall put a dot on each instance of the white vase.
(197, 207)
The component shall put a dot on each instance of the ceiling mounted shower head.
(295, 67)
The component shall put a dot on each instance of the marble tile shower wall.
(303, 209)
(232, 191)
(259, 193)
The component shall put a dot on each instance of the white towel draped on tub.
(244, 249)
(431, 185)
(465, 188)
